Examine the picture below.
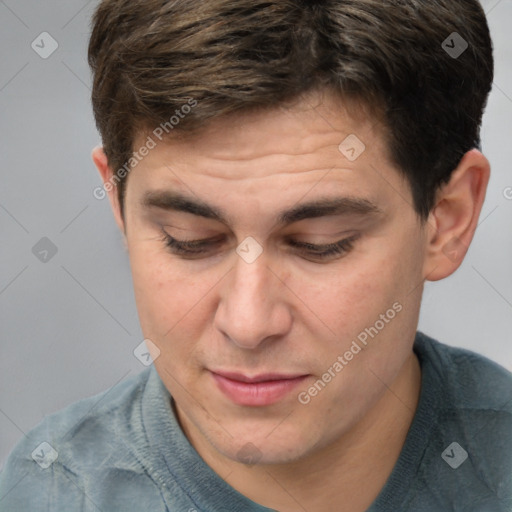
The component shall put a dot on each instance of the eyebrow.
(345, 205)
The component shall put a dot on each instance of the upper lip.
(262, 377)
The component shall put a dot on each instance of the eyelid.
(289, 239)
(193, 249)
(189, 230)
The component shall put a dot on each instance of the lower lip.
(257, 393)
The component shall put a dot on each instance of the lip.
(260, 390)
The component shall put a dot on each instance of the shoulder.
(92, 416)
(471, 380)
(470, 439)
(71, 443)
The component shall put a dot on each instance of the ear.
(453, 220)
(100, 161)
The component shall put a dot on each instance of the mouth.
(259, 390)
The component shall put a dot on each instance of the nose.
(253, 305)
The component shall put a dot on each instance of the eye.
(191, 249)
(328, 250)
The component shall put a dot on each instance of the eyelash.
(321, 252)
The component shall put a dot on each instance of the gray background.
(69, 325)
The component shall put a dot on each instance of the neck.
(344, 476)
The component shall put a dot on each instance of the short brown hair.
(151, 57)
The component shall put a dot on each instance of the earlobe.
(101, 162)
(454, 218)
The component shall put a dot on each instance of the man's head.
(269, 107)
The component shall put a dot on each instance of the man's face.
(256, 299)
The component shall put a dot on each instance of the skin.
(287, 313)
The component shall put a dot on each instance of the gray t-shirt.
(123, 450)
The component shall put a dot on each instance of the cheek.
(160, 293)
(171, 300)
(369, 302)
(350, 296)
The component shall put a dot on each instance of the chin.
(279, 447)
(268, 453)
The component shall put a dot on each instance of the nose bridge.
(251, 306)
(250, 286)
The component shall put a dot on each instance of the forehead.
(309, 148)
(311, 127)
